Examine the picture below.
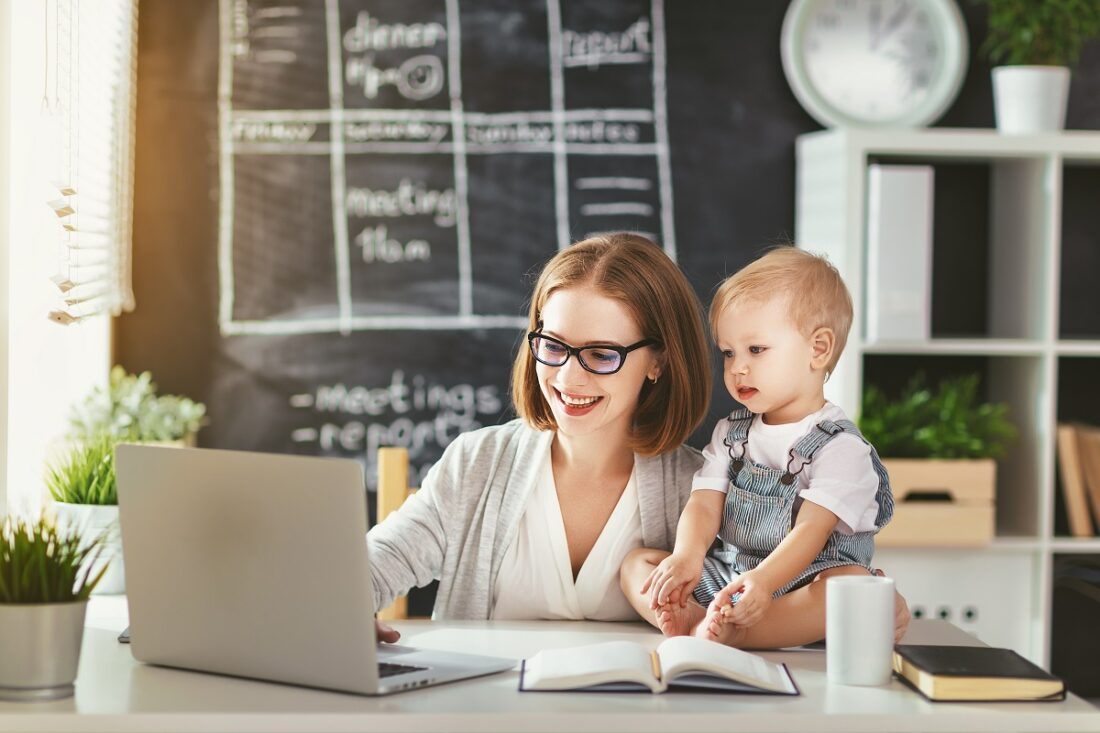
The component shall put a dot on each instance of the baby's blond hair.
(816, 294)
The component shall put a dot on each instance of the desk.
(114, 693)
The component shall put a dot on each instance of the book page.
(592, 664)
(684, 654)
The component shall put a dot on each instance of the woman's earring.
(654, 379)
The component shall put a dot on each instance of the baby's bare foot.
(716, 627)
(676, 620)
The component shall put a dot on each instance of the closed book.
(974, 673)
(1073, 481)
(680, 662)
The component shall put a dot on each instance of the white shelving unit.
(1002, 592)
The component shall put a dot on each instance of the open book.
(681, 662)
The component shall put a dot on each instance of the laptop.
(255, 565)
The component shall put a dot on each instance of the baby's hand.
(671, 582)
(750, 604)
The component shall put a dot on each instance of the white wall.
(49, 367)
(5, 145)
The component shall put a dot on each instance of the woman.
(532, 519)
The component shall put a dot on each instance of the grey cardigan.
(457, 528)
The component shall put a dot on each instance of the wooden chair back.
(393, 489)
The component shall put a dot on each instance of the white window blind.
(89, 101)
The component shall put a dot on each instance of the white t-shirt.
(840, 478)
(536, 578)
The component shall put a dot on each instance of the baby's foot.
(715, 627)
(676, 620)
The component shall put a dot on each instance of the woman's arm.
(407, 549)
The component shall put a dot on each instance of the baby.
(789, 485)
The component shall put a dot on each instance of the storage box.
(940, 503)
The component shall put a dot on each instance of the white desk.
(114, 693)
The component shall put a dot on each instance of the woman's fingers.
(386, 633)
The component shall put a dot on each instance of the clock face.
(874, 62)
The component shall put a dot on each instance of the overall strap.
(809, 444)
(740, 420)
(826, 430)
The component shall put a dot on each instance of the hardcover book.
(974, 673)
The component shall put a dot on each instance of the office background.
(732, 123)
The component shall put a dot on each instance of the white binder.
(899, 253)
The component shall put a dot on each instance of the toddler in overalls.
(789, 486)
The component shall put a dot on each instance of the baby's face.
(766, 362)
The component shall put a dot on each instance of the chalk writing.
(369, 34)
(420, 77)
(408, 199)
(592, 48)
(377, 246)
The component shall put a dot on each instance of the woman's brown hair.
(636, 272)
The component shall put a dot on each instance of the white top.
(536, 578)
(840, 478)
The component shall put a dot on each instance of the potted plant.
(130, 409)
(45, 578)
(82, 480)
(1032, 44)
(85, 493)
(938, 447)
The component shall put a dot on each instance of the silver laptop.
(255, 565)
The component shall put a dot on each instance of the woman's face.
(585, 403)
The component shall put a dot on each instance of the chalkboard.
(340, 206)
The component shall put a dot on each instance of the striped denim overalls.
(761, 504)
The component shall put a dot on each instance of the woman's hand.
(902, 617)
(671, 582)
(386, 633)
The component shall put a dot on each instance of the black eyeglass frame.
(622, 351)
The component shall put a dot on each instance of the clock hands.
(879, 31)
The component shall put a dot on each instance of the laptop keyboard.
(386, 669)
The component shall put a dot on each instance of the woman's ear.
(658, 366)
(822, 343)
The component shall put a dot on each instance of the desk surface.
(115, 693)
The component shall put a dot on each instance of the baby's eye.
(727, 353)
(757, 349)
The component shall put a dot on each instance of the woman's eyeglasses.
(603, 359)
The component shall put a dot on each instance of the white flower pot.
(91, 520)
(41, 649)
(1030, 100)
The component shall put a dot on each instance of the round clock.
(874, 63)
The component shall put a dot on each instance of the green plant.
(129, 409)
(946, 423)
(41, 564)
(86, 474)
(1040, 32)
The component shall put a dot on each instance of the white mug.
(859, 629)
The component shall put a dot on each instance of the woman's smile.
(576, 405)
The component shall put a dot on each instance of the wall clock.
(874, 63)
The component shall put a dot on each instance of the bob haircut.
(816, 294)
(637, 273)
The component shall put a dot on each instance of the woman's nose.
(572, 372)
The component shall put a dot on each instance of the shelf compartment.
(968, 589)
(1079, 299)
(1013, 380)
(1075, 606)
(993, 222)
